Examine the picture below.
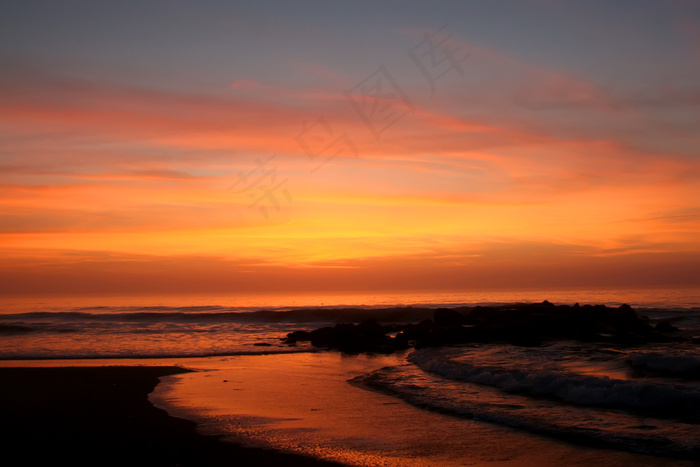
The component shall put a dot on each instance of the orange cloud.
(510, 266)
(116, 188)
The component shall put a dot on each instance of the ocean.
(565, 402)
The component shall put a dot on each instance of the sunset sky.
(213, 146)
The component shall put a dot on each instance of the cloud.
(510, 267)
(38, 103)
(527, 156)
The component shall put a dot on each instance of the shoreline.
(304, 403)
(102, 416)
(298, 409)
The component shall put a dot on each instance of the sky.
(219, 146)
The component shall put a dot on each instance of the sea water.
(477, 402)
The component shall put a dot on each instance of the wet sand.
(303, 403)
(277, 410)
(102, 416)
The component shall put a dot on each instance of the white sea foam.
(659, 434)
(569, 387)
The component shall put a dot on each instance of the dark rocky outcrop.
(665, 326)
(368, 336)
(519, 324)
(448, 317)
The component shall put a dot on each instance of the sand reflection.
(303, 403)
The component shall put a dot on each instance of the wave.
(588, 426)
(571, 388)
(11, 329)
(684, 318)
(221, 314)
(676, 365)
(146, 355)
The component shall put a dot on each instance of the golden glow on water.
(649, 297)
(303, 403)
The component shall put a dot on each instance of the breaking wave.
(646, 416)
(571, 388)
(677, 365)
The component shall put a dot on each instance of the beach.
(211, 381)
(102, 416)
(386, 234)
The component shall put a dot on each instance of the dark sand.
(102, 416)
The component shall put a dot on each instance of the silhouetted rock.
(298, 336)
(370, 327)
(518, 324)
(446, 335)
(412, 333)
(400, 342)
(368, 336)
(525, 340)
(626, 309)
(448, 317)
(665, 326)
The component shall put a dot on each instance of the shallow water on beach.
(654, 415)
(564, 403)
(305, 403)
(195, 326)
